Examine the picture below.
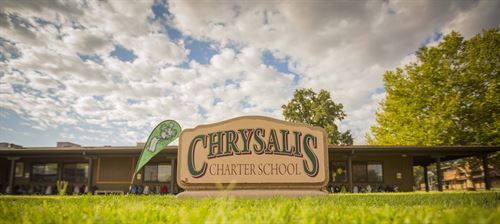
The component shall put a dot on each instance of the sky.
(106, 72)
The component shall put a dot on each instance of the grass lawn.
(449, 207)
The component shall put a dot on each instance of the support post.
(439, 174)
(90, 170)
(60, 171)
(486, 172)
(426, 178)
(173, 170)
(349, 169)
(11, 174)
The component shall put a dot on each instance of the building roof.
(422, 155)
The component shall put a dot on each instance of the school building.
(109, 169)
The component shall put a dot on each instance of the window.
(358, 172)
(339, 172)
(374, 172)
(151, 173)
(367, 172)
(19, 169)
(157, 173)
(76, 172)
(164, 172)
(46, 172)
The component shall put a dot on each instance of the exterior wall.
(453, 179)
(112, 173)
(398, 164)
(29, 162)
(115, 173)
(26, 181)
(159, 160)
(459, 184)
(391, 165)
(112, 170)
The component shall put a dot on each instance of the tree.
(319, 110)
(449, 96)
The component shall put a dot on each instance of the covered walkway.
(422, 156)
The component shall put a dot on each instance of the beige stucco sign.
(253, 152)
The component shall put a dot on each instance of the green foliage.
(318, 110)
(456, 207)
(450, 96)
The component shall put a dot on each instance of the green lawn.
(450, 207)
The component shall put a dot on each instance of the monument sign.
(253, 156)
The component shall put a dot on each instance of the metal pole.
(349, 171)
(426, 178)
(486, 172)
(60, 171)
(173, 170)
(90, 173)
(11, 174)
(439, 174)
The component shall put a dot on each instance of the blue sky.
(104, 73)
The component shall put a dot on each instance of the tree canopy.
(319, 110)
(449, 96)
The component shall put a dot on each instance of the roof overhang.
(422, 155)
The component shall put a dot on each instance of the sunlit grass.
(454, 207)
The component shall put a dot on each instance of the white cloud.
(484, 15)
(88, 42)
(341, 46)
(155, 47)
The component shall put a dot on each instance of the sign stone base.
(257, 193)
